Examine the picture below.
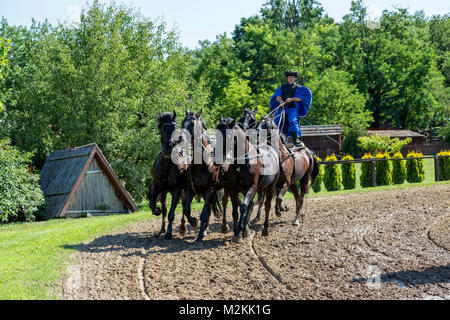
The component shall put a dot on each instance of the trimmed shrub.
(414, 168)
(444, 166)
(20, 194)
(348, 173)
(366, 172)
(383, 170)
(332, 176)
(317, 185)
(398, 169)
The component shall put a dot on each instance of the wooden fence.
(373, 160)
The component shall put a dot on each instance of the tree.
(392, 64)
(382, 144)
(337, 101)
(4, 46)
(104, 81)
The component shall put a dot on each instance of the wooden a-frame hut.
(80, 182)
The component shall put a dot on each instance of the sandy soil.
(380, 245)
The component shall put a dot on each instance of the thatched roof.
(321, 130)
(63, 171)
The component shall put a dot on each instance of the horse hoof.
(284, 208)
(278, 213)
(265, 232)
(225, 229)
(198, 242)
(237, 239)
(296, 223)
(168, 236)
(193, 222)
(183, 230)
(157, 211)
(244, 233)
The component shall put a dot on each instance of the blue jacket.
(291, 123)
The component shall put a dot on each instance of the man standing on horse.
(296, 100)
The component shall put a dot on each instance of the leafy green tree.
(104, 81)
(20, 194)
(391, 63)
(383, 144)
(337, 101)
(4, 46)
(293, 13)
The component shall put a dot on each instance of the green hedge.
(415, 168)
(317, 185)
(332, 176)
(444, 166)
(398, 169)
(348, 173)
(366, 172)
(383, 170)
(20, 194)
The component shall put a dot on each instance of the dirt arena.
(391, 244)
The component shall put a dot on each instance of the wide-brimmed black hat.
(291, 73)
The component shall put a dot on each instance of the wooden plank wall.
(95, 193)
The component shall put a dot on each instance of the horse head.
(167, 126)
(193, 125)
(248, 120)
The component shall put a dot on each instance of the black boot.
(297, 142)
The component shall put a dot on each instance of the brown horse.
(297, 166)
(247, 173)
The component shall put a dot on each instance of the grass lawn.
(34, 255)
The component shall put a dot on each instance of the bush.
(414, 168)
(366, 172)
(444, 166)
(350, 143)
(383, 170)
(332, 177)
(398, 169)
(20, 194)
(317, 185)
(348, 173)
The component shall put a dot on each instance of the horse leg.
(260, 204)
(235, 205)
(162, 200)
(182, 229)
(156, 190)
(225, 228)
(298, 202)
(280, 196)
(269, 195)
(187, 207)
(204, 216)
(245, 215)
(175, 197)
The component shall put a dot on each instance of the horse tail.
(216, 207)
(315, 170)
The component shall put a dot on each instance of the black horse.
(167, 175)
(201, 172)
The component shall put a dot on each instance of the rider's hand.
(288, 100)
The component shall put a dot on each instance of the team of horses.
(248, 158)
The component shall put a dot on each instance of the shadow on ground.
(409, 278)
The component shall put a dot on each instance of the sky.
(196, 19)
